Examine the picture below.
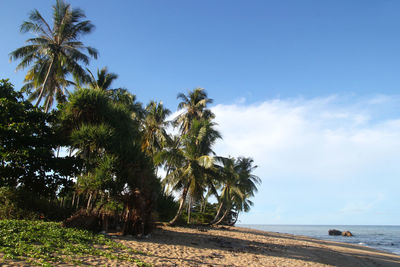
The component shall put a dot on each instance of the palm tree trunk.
(218, 213)
(182, 202)
(88, 203)
(73, 200)
(45, 82)
(189, 208)
(46, 107)
(223, 217)
(204, 205)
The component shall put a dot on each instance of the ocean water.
(382, 237)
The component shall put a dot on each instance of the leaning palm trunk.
(218, 213)
(182, 202)
(189, 210)
(223, 217)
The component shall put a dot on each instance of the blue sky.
(309, 89)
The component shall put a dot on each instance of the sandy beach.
(234, 246)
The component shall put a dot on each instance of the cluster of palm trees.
(122, 144)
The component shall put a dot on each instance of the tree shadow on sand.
(331, 253)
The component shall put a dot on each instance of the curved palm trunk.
(218, 213)
(182, 202)
(46, 79)
(223, 217)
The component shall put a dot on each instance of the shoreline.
(364, 235)
(238, 246)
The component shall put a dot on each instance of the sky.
(309, 89)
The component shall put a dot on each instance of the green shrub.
(47, 243)
(22, 204)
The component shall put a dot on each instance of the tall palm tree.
(194, 105)
(239, 185)
(56, 51)
(192, 160)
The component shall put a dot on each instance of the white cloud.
(319, 138)
(327, 160)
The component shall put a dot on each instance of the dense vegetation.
(47, 243)
(94, 159)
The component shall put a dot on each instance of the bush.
(10, 207)
(22, 204)
(47, 243)
(166, 207)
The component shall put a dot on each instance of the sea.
(382, 237)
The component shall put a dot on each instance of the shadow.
(308, 249)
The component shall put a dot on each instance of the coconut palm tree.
(103, 81)
(55, 52)
(34, 81)
(239, 185)
(155, 136)
(194, 105)
(192, 160)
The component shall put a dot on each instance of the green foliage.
(117, 144)
(166, 207)
(27, 145)
(21, 204)
(54, 53)
(47, 243)
(107, 138)
(201, 214)
(10, 207)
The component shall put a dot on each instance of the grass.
(49, 244)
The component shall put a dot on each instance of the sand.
(234, 246)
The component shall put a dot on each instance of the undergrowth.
(48, 244)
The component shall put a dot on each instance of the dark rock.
(347, 233)
(334, 232)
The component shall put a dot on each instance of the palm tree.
(194, 105)
(155, 136)
(55, 52)
(239, 185)
(34, 80)
(103, 81)
(191, 162)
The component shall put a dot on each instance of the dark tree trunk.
(189, 210)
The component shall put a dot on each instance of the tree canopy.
(54, 52)
(98, 155)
